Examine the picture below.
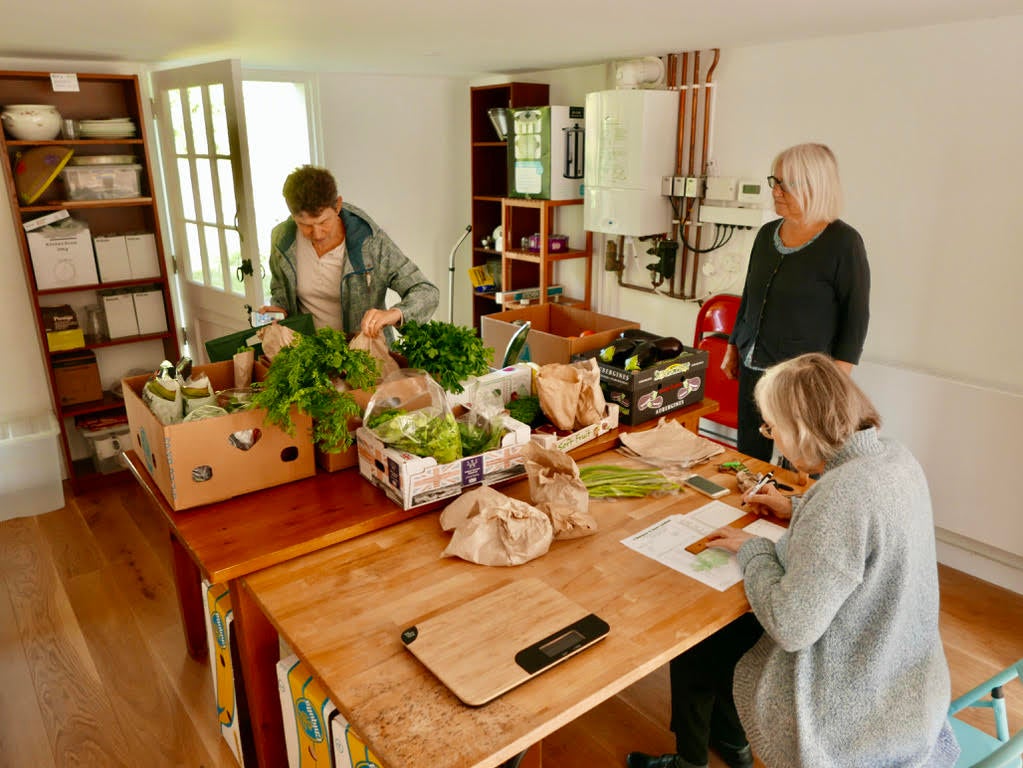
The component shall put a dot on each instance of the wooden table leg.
(258, 654)
(188, 582)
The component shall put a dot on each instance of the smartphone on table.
(706, 487)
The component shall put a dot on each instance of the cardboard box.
(567, 442)
(149, 311)
(233, 719)
(76, 376)
(59, 341)
(119, 308)
(554, 335)
(142, 255)
(656, 390)
(62, 256)
(411, 481)
(196, 463)
(514, 380)
(315, 733)
(112, 258)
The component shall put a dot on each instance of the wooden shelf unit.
(489, 161)
(99, 96)
(527, 269)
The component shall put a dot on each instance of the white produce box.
(31, 481)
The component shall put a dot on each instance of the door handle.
(244, 270)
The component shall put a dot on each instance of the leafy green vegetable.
(478, 439)
(526, 409)
(449, 353)
(421, 434)
(304, 375)
(610, 481)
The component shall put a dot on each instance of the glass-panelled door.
(203, 146)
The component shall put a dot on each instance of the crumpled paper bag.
(377, 347)
(243, 362)
(669, 445)
(275, 337)
(570, 394)
(493, 529)
(555, 488)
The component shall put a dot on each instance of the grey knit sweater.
(850, 670)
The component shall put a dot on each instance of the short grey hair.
(816, 404)
(810, 174)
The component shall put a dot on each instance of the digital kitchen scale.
(489, 645)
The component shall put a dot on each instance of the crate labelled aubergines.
(648, 375)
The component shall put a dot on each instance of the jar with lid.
(31, 122)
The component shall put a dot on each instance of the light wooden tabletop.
(342, 610)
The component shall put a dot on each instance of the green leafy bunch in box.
(306, 374)
(449, 353)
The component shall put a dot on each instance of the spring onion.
(610, 481)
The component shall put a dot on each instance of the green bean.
(610, 481)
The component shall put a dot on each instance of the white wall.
(399, 147)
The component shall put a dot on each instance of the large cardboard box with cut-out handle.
(204, 461)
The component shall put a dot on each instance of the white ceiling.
(442, 37)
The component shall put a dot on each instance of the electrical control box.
(694, 186)
(721, 188)
(750, 191)
(734, 215)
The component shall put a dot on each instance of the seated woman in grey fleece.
(840, 662)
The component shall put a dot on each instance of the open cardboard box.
(197, 463)
(554, 335)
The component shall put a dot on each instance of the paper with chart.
(666, 540)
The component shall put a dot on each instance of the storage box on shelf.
(198, 462)
(66, 265)
(489, 160)
(556, 332)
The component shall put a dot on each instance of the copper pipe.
(692, 122)
(706, 107)
(681, 114)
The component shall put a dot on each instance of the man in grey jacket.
(331, 260)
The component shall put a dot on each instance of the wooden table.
(229, 539)
(342, 610)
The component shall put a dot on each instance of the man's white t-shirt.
(319, 283)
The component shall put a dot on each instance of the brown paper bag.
(377, 347)
(243, 362)
(275, 337)
(555, 489)
(570, 395)
(493, 529)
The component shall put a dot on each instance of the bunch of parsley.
(449, 353)
(304, 375)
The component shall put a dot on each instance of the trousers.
(702, 707)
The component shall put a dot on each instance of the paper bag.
(377, 347)
(570, 395)
(275, 337)
(493, 529)
(555, 488)
(243, 362)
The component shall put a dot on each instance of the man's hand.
(375, 320)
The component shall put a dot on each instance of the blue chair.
(979, 749)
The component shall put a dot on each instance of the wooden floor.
(93, 669)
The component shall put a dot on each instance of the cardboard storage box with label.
(112, 258)
(656, 390)
(222, 644)
(142, 255)
(554, 335)
(198, 463)
(119, 310)
(62, 255)
(316, 734)
(77, 378)
(412, 481)
(149, 311)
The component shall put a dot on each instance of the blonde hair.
(815, 404)
(809, 173)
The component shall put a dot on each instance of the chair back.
(717, 315)
(716, 385)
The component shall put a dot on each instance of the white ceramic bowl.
(31, 122)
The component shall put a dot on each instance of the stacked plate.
(113, 128)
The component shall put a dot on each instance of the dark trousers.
(750, 441)
(702, 707)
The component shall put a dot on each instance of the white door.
(203, 143)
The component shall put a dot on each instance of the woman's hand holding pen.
(768, 500)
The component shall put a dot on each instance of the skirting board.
(981, 560)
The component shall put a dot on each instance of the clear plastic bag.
(409, 412)
(483, 425)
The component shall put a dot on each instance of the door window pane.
(198, 113)
(195, 270)
(206, 198)
(187, 196)
(234, 259)
(177, 117)
(213, 257)
(218, 115)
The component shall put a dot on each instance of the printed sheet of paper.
(666, 540)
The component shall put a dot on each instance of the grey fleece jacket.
(850, 670)
(372, 265)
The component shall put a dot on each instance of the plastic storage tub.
(105, 446)
(31, 480)
(102, 182)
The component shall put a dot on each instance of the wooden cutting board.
(489, 645)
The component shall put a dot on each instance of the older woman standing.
(807, 287)
(844, 665)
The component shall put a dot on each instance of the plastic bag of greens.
(197, 392)
(162, 393)
(409, 412)
(483, 426)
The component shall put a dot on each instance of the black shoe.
(741, 757)
(642, 760)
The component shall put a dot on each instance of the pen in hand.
(760, 484)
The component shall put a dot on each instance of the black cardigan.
(816, 299)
